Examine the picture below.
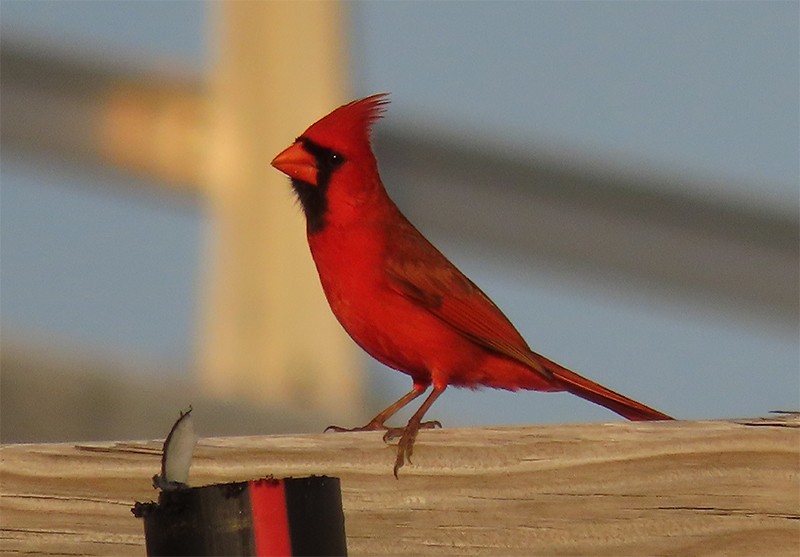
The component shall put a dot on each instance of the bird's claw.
(408, 435)
(372, 426)
(336, 428)
(403, 454)
(393, 433)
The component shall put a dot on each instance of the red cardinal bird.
(396, 295)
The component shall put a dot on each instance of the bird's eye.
(335, 159)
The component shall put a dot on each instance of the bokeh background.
(621, 178)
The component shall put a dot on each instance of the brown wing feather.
(418, 271)
(440, 288)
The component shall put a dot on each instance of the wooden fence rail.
(682, 488)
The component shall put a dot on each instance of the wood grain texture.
(682, 488)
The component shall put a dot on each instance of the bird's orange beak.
(297, 163)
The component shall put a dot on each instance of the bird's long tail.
(589, 390)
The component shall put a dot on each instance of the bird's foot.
(408, 434)
(393, 433)
(372, 426)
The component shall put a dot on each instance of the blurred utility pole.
(267, 333)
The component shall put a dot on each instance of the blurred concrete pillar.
(267, 332)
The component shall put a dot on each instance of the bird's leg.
(408, 434)
(378, 421)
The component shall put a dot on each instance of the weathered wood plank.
(683, 488)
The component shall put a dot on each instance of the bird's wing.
(418, 271)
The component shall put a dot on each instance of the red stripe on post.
(270, 521)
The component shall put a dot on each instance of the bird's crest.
(350, 124)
